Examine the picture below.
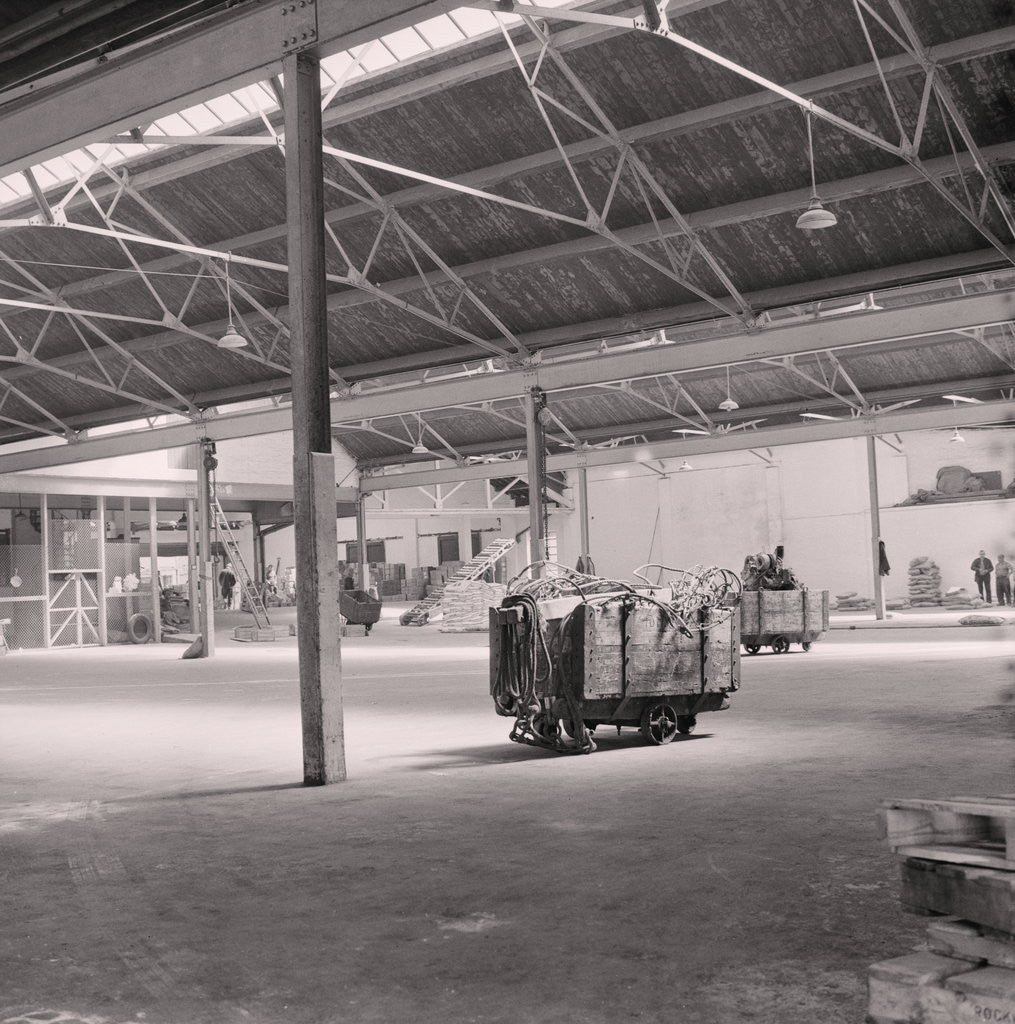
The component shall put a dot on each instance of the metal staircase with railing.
(419, 614)
(251, 594)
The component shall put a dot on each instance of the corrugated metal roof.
(736, 166)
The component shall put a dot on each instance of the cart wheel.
(752, 648)
(780, 644)
(686, 724)
(806, 645)
(659, 724)
(366, 629)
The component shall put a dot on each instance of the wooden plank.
(984, 896)
(961, 830)
(965, 940)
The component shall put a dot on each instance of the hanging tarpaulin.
(883, 567)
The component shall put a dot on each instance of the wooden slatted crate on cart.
(618, 663)
(778, 618)
(956, 860)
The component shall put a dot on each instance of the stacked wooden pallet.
(957, 859)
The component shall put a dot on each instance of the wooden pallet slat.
(978, 831)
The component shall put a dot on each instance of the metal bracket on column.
(298, 25)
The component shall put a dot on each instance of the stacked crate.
(958, 859)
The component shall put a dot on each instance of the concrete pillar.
(313, 464)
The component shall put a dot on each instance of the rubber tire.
(752, 648)
(661, 731)
(686, 724)
(806, 645)
(140, 629)
(780, 645)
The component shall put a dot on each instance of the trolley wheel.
(686, 724)
(806, 645)
(752, 648)
(780, 644)
(659, 724)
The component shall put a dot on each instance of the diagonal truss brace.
(903, 150)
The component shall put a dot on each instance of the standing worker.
(982, 568)
(1002, 580)
(227, 580)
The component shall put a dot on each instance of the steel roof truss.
(409, 237)
(604, 128)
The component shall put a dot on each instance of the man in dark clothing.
(1002, 580)
(982, 568)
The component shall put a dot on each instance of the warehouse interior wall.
(811, 498)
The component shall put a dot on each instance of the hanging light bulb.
(684, 466)
(419, 448)
(956, 437)
(815, 216)
(728, 404)
(232, 338)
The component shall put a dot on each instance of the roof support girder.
(869, 424)
(942, 317)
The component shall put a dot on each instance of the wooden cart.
(624, 662)
(778, 618)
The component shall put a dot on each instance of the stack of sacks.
(924, 583)
(959, 597)
(897, 604)
(466, 606)
(851, 602)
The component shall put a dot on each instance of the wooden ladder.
(243, 578)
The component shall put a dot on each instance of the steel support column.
(875, 525)
(314, 500)
(193, 568)
(361, 543)
(153, 558)
(535, 444)
(206, 574)
(100, 577)
(583, 514)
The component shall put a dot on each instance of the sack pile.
(924, 583)
(466, 606)
(959, 597)
(852, 602)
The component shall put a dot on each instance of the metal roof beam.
(870, 424)
(703, 220)
(941, 317)
(236, 48)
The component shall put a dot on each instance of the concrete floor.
(161, 864)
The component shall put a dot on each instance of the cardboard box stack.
(958, 860)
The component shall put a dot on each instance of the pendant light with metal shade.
(232, 338)
(419, 448)
(815, 216)
(728, 404)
